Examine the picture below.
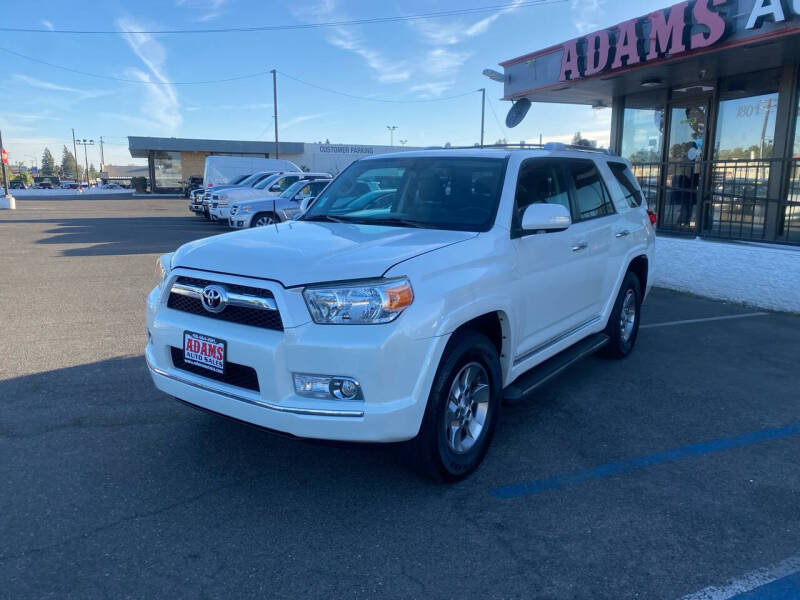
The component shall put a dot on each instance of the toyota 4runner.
(413, 313)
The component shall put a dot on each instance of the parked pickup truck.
(267, 211)
(483, 274)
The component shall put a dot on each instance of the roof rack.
(550, 146)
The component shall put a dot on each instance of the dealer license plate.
(204, 351)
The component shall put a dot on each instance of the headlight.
(362, 303)
(163, 267)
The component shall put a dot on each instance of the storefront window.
(168, 175)
(746, 127)
(642, 133)
(789, 227)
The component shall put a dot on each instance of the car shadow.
(125, 235)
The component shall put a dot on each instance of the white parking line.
(754, 579)
(690, 321)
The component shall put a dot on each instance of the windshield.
(293, 189)
(431, 192)
(238, 180)
(250, 179)
(266, 182)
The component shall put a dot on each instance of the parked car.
(192, 183)
(266, 211)
(274, 185)
(17, 185)
(487, 272)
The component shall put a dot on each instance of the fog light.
(327, 387)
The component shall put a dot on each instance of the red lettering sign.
(661, 33)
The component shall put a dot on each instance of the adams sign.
(681, 28)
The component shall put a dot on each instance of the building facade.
(704, 100)
(172, 161)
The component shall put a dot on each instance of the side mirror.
(305, 203)
(546, 217)
(275, 188)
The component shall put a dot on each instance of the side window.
(316, 188)
(540, 181)
(633, 195)
(591, 197)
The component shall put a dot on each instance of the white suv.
(409, 315)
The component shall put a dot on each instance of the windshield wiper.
(398, 221)
(325, 219)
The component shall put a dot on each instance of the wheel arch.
(640, 267)
(495, 326)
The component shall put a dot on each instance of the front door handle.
(579, 247)
(623, 233)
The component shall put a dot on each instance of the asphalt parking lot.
(657, 477)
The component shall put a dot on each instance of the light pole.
(75, 156)
(275, 106)
(102, 156)
(483, 112)
(85, 143)
(392, 129)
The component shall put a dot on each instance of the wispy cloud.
(81, 94)
(441, 61)
(161, 103)
(210, 9)
(254, 106)
(347, 38)
(586, 14)
(436, 32)
(298, 120)
(48, 25)
(30, 116)
(433, 89)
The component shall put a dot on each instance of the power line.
(343, 23)
(348, 95)
(503, 130)
(126, 80)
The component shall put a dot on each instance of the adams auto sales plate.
(204, 351)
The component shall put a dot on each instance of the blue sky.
(402, 60)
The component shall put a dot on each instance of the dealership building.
(171, 161)
(704, 103)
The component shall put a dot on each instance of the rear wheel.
(262, 219)
(462, 409)
(623, 324)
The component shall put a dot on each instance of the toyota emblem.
(214, 298)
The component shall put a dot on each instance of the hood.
(300, 252)
(238, 194)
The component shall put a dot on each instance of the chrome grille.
(247, 305)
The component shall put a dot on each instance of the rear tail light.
(653, 218)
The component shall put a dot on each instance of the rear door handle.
(579, 247)
(623, 233)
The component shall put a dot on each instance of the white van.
(222, 170)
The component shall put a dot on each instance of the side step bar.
(541, 374)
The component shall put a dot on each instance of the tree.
(577, 140)
(69, 167)
(92, 172)
(48, 164)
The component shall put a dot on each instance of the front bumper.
(395, 371)
(240, 220)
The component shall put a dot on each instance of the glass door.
(688, 121)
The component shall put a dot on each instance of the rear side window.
(623, 175)
(592, 199)
(540, 181)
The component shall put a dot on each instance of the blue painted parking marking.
(537, 486)
(787, 588)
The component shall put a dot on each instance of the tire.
(262, 219)
(444, 447)
(622, 332)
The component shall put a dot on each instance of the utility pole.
(102, 156)
(392, 129)
(483, 112)
(75, 156)
(275, 106)
(85, 143)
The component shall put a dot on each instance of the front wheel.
(462, 409)
(262, 219)
(623, 324)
